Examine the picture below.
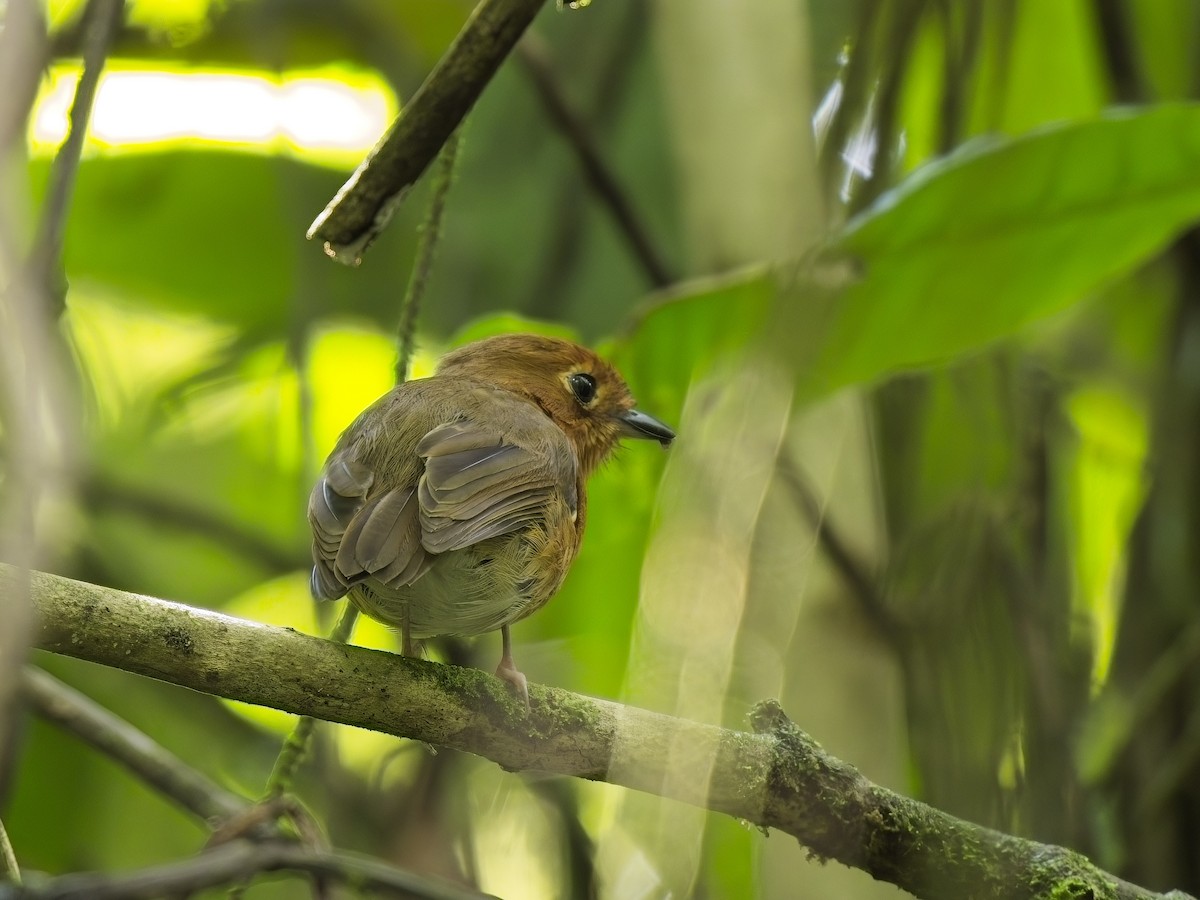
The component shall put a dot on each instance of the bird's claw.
(506, 671)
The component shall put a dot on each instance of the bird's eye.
(583, 386)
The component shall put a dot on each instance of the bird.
(456, 504)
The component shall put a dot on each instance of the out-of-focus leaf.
(973, 247)
(679, 337)
(1168, 27)
(1051, 68)
(221, 234)
(510, 323)
(348, 369)
(132, 356)
(1107, 490)
(968, 250)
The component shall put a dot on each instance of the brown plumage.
(456, 504)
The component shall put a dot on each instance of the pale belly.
(465, 592)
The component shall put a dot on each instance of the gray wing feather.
(383, 542)
(332, 505)
(476, 486)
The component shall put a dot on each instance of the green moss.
(1069, 876)
(1079, 889)
(568, 713)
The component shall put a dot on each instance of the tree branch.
(365, 203)
(9, 870)
(775, 776)
(104, 21)
(116, 738)
(236, 862)
(533, 55)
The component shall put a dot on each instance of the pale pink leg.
(507, 670)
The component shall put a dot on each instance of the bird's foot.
(507, 671)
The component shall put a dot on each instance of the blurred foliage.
(1008, 290)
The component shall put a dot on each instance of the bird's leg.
(409, 647)
(507, 670)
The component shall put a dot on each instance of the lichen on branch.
(774, 776)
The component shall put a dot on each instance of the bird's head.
(579, 391)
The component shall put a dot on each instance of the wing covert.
(477, 486)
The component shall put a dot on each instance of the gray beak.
(636, 424)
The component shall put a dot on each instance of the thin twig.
(137, 752)
(431, 233)
(775, 776)
(561, 254)
(104, 20)
(9, 870)
(365, 203)
(239, 861)
(536, 60)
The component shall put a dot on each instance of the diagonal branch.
(855, 572)
(775, 776)
(363, 205)
(533, 55)
(160, 768)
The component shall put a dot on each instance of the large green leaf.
(968, 250)
(680, 336)
(973, 247)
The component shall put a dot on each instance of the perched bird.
(456, 504)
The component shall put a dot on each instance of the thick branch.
(364, 204)
(776, 777)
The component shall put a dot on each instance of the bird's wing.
(478, 486)
(335, 499)
(355, 538)
(475, 486)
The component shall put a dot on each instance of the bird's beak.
(636, 424)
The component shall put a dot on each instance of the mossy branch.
(774, 776)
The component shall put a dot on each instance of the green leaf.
(510, 323)
(976, 246)
(968, 250)
(679, 336)
(220, 234)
